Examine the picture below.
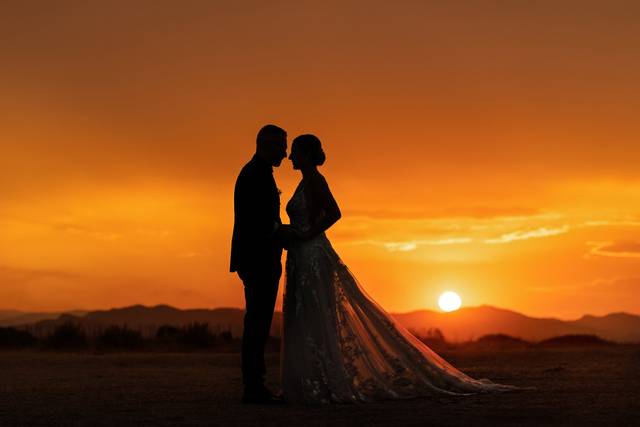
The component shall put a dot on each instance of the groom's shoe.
(261, 396)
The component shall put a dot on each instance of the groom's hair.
(268, 133)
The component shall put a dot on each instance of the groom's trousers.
(260, 292)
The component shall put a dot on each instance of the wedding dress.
(340, 346)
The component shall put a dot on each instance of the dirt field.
(575, 387)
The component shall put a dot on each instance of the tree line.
(73, 336)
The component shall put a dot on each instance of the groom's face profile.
(272, 144)
(277, 148)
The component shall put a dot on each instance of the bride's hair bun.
(311, 145)
(319, 157)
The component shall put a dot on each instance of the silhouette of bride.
(338, 344)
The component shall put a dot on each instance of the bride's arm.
(325, 208)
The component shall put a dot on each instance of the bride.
(338, 344)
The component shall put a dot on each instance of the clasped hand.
(287, 234)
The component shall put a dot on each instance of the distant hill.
(15, 318)
(620, 327)
(148, 319)
(575, 340)
(466, 324)
(500, 341)
(5, 314)
(470, 323)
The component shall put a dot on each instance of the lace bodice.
(298, 211)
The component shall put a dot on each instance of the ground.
(574, 387)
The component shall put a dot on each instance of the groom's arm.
(252, 207)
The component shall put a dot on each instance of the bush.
(575, 341)
(120, 338)
(197, 335)
(226, 336)
(500, 342)
(434, 339)
(167, 338)
(67, 336)
(168, 333)
(15, 338)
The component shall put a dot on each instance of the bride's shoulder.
(318, 177)
(318, 181)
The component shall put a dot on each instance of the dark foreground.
(575, 387)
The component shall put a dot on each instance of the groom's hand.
(285, 235)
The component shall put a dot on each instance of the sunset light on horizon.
(491, 152)
(449, 301)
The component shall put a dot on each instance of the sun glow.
(449, 301)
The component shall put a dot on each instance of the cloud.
(616, 283)
(410, 245)
(400, 246)
(22, 276)
(154, 233)
(602, 285)
(610, 223)
(407, 232)
(426, 229)
(528, 234)
(554, 289)
(85, 231)
(114, 229)
(618, 249)
(192, 254)
(68, 227)
(474, 212)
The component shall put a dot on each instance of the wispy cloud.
(528, 234)
(400, 246)
(469, 212)
(410, 245)
(153, 233)
(192, 254)
(109, 231)
(610, 223)
(619, 249)
(554, 289)
(599, 285)
(618, 283)
(414, 244)
(22, 276)
(85, 231)
(404, 234)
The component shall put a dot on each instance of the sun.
(449, 301)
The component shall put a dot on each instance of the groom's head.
(271, 144)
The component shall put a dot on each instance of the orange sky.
(487, 148)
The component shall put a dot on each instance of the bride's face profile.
(298, 159)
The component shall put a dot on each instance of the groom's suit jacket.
(254, 247)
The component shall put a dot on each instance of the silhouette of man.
(256, 250)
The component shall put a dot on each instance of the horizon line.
(280, 311)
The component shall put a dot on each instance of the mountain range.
(466, 324)
(16, 317)
(473, 322)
